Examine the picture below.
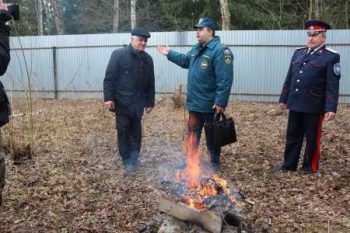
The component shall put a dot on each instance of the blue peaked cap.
(206, 22)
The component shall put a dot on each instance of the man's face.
(204, 34)
(139, 43)
(315, 39)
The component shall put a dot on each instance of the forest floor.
(75, 182)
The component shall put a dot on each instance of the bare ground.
(75, 181)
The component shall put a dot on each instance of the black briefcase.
(221, 131)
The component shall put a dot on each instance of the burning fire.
(199, 189)
(192, 170)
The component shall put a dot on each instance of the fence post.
(55, 81)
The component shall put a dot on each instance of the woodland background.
(56, 17)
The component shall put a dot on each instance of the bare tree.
(310, 9)
(116, 16)
(347, 14)
(281, 13)
(57, 17)
(317, 9)
(225, 15)
(39, 16)
(133, 13)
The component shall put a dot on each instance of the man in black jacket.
(129, 91)
(4, 104)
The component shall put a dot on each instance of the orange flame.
(196, 192)
(193, 204)
(192, 169)
(207, 190)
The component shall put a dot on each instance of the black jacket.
(129, 80)
(4, 61)
(4, 47)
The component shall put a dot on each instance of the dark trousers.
(129, 134)
(300, 125)
(196, 122)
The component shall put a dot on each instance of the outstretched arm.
(179, 59)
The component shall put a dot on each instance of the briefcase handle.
(217, 117)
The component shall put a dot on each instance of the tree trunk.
(116, 16)
(57, 16)
(310, 9)
(317, 9)
(225, 15)
(133, 13)
(347, 14)
(39, 17)
(280, 16)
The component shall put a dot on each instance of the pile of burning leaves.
(201, 189)
(211, 192)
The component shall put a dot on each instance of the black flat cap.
(140, 32)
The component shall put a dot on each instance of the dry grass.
(75, 183)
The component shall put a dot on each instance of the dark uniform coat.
(311, 89)
(312, 82)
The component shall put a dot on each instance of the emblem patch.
(228, 58)
(337, 69)
(204, 64)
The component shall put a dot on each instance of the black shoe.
(306, 171)
(130, 168)
(284, 169)
(215, 167)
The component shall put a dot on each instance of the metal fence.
(73, 66)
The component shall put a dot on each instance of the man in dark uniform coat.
(310, 92)
(4, 103)
(128, 91)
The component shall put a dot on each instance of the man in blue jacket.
(310, 92)
(209, 83)
(129, 91)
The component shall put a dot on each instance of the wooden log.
(209, 220)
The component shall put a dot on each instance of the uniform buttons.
(301, 71)
(304, 63)
(297, 90)
(298, 80)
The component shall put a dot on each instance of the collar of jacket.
(211, 44)
(133, 52)
(317, 50)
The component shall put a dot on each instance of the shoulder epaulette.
(331, 50)
(305, 47)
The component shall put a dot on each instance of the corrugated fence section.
(73, 66)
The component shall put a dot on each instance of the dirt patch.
(75, 181)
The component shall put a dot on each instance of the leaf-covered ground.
(75, 181)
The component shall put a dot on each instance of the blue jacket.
(210, 75)
(312, 82)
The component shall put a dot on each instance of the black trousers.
(129, 133)
(196, 122)
(302, 125)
